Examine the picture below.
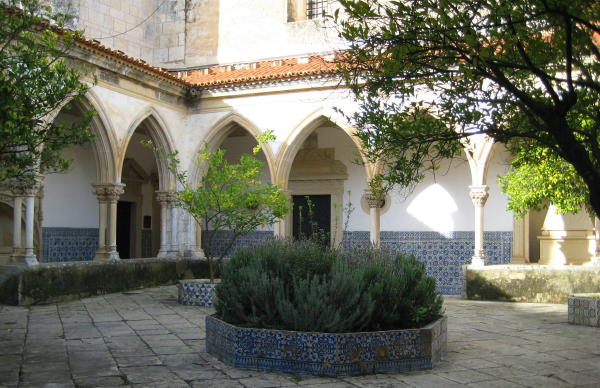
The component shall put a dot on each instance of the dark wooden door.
(312, 217)
(124, 229)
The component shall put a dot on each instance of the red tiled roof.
(259, 71)
(218, 75)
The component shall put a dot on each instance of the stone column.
(191, 247)
(197, 232)
(375, 205)
(174, 224)
(168, 217)
(101, 253)
(112, 193)
(108, 196)
(30, 258)
(283, 228)
(479, 195)
(520, 243)
(17, 242)
(24, 193)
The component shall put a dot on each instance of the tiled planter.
(584, 309)
(197, 292)
(327, 354)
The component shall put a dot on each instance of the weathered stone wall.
(152, 30)
(52, 283)
(184, 33)
(531, 283)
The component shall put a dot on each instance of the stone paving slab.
(145, 339)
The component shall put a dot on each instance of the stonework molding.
(479, 150)
(479, 194)
(167, 198)
(109, 192)
(373, 201)
(296, 138)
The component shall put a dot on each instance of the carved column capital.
(166, 198)
(26, 189)
(109, 192)
(479, 194)
(373, 201)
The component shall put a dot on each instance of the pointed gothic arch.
(104, 144)
(220, 131)
(157, 131)
(479, 154)
(300, 133)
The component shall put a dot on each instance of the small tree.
(538, 178)
(231, 197)
(35, 81)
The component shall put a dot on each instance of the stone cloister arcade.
(117, 169)
(117, 199)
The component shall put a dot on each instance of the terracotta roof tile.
(277, 69)
(289, 68)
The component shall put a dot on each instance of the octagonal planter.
(197, 292)
(327, 354)
(584, 309)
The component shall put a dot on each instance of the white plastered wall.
(68, 199)
(267, 33)
(497, 217)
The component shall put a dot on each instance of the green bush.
(303, 286)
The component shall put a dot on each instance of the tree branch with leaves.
(36, 81)
(231, 198)
(515, 70)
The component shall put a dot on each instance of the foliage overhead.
(230, 199)
(300, 285)
(429, 73)
(35, 82)
(539, 177)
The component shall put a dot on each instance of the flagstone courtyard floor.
(145, 339)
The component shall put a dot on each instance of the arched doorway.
(143, 173)
(322, 168)
(236, 136)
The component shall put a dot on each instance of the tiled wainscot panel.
(69, 244)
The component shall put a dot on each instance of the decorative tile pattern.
(443, 255)
(584, 309)
(194, 292)
(329, 354)
(253, 238)
(69, 244)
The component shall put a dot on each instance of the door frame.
(332, 187)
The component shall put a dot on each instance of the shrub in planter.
(303, 286)
(301, 308)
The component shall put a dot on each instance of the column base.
(194, 253)
(31, 259)
(168, 254)
(101, 255)
(113, 256)
(478, 261)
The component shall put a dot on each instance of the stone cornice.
(112, 69)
